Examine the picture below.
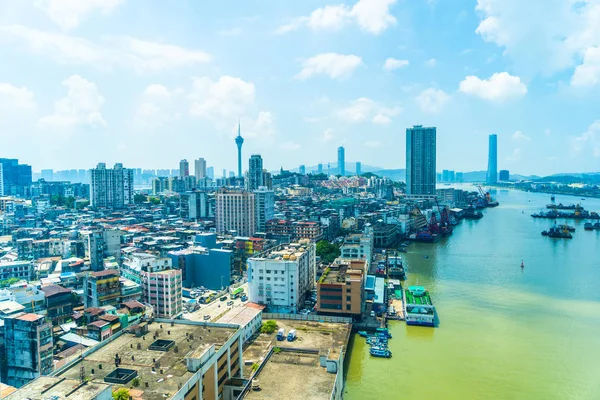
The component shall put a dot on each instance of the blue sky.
(148, 83)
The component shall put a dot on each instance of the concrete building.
(302, 169)
(420, 161)
(283, 278)
(290, 231)
(340, 288)
(319, 168)
(358, 168)
(102, 288)
(235, 211)
(264, 201)
(248, 317)
(200, 168)
(255, 173)
(111, 188)
(184, 168)
(199, 205)
(15, 178)
(358, 246)
(161, 288)
(160, 185)
(204, 264)
(492, 171)
(29, 338)
(192, 360)
(59, 304)
(504, 175)
(342, 160)
(29, 296)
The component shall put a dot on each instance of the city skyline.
(133, 85)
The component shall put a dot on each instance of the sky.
(150, 82)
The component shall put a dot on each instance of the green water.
(504, 333)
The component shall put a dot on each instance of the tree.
(139, 198)
(268, 327)
(154, 200)
(121, 394)
(327, 251)
(135, 382)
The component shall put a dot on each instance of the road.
(215, 309)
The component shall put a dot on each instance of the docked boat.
(418, 307)
(471, 213)
(425, 237)
(363, 333)
(557, 233)
(567, 227)
(378, 352)
(588, 226)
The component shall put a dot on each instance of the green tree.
(327, 251)
(139, 198)
(268, 327)
(154, 200)
(121, 394)
(135, 382)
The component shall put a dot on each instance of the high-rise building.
(224, 173)
(492, 172)
(445, 175)
(267, 180)
(420, 160)
(48, 175)
(184, 168)
(264, 201)
(200, 168)
(28, 340)
(255, 173)
(302, 170)
(199, 205)
(1, 181)
(161, 288)
(459, 177)
(282, 278)
(319, 168)
(111, 188)
(160, 184)
(235, 212)
(16, 178)
(239, 141)
(504, 175)
(358, 168)
(342, 161)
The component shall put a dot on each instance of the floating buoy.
(522, 264)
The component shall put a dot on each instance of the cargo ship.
(425, 237)
(471, 213)
(418, 307)
(557, 233)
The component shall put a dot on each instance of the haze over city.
(85, 82)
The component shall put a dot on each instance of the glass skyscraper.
(420, 160)
(342, 160)
(492, 171)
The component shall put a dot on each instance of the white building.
(235, 211)
(358, 246)
(283, 278)
(200, 168)
(111, 188)
(264, 201)
(248, 317)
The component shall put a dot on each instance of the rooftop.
(47, 386)
(52, 290)
(172, 363)
(241, 315)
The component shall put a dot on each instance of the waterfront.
(504, 333)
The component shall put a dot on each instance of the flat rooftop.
(295, 375)
(46, 386)
(160, 385)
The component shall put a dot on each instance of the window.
(348, 307)
(348, 290)
(348, 298)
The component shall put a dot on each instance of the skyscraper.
(492, 172)
(420, 160)
(342, 161)
(302, 169)
(111, 188)
(234, 210)
(184, 168)
(16, 177)
(264, 201)
(358, 168)
(320, 168)
(210, 172)
(255, 172)
(200, 168)
(239, 141)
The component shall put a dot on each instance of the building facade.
(29, 338)
(264, 201)
(161, 288)
(504, 175)
(358, 246)
(283, 278)
(340, 288)
(15, 178)
(420, 160)
(358, 168)
(342, 160)
(102, 288)
(199, 206)
(235, 211)
(184, 168)
(492, 171)
(111, 188)
(255, 173)
(200, 168)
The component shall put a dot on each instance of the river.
(504, 333)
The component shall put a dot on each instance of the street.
(215, 309)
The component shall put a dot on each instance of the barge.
(418, 307)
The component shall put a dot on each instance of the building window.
(348, 307)
(348, 298)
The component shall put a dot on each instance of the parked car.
(206, 317)
(229, 303)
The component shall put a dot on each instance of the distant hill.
(592, 178)
(334, 170)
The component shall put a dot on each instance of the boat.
(597, 226)
(567, 227)
(552, 198)
(522, 264)
(557, 233)
(588, 226)
(425, 237)
(471, 213)
(561, 206)
(363, 333)
(384, 353)
(418, 307)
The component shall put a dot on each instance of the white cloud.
(589, 140)
(588, 73)
(515, 156)
(372, 16)
(431, 101)
(70, 13)
(534, 44)
(16, 97)
(499, 87)
(220, 101)
(157, 107)
(289, 146)
(113, 51)
(520, 136)
(327, 135)
(363, 109)
(81, 106)
(392, 64)
(157, 90)
(372, 143)
(237, 31)
(335, 65)
(430, 63)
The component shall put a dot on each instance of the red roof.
(98, 324)
(133, 304)
(105, 273)
(30, 317)
(52, 290)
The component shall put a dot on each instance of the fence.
(311, 318)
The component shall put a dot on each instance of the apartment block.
(102, 288)
(340, 288)
(161, 287)
(235, 211)
(358, 246)
(111, 188)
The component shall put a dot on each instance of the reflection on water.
(504, 333)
